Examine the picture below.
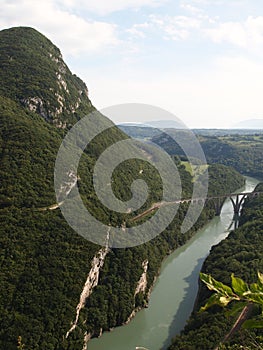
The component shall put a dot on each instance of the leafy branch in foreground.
(246, 295)
(240, 291)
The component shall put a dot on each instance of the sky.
(201, 60)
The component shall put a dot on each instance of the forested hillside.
(242, 152)
(44, 263)
(242, 254)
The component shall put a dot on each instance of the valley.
(60, 288)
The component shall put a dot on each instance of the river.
(174, 293)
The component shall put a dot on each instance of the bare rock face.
(142, 283)
(35, 104)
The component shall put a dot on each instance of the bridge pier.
(237, 203)
(234, 223)
(236, 200)
(218, 203)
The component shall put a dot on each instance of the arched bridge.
(237, 199)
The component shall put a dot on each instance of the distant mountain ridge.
(249, 124)
(166, 124)
(161, 124)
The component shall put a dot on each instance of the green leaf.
(207, 279)
(216, 299)
(256, 298)
(255, 288)
(249, 324)
(213, 300)
(239, 286)
(216, 286)
(260, 278)
(222, 288)
(224, 301)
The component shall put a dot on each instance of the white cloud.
(169, 27)
(73, 34)
(175, 27)
(211, 2)
(138, 30)
(190, 8)
(247, 34)
(186, 22)
(231, 32)
(105, 7)
(179, 21)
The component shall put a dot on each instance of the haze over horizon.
(252, 124)
(200, 60)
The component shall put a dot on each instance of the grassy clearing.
(194, 170)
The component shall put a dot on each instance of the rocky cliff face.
(40, 80)
(142, 283)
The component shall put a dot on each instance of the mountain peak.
(33, 72)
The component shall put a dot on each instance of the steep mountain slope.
(34, 74)
(48, 273)
(26, 175)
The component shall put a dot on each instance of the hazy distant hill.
(249, 124)
(166, 124)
